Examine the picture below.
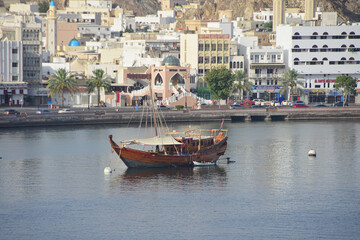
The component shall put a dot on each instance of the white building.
(12, 87)
(265, 68)
(320, 54)
(265, 15)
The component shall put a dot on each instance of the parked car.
(339, 104)
(299, 105)
(11, 112)
(247, 102)
(162, 107)
(66, 111)
(258, 101)
(275, 104)
(297, 102)
(236, 106)
(321, 105)
(286, 103)
(265, 103)
(43, 111)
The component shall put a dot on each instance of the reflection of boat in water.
(171, 149)
(135, 178)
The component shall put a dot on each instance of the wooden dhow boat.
(172, 149)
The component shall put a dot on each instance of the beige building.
(195, 25)
(65, 32)
(309, 9)
(51, 30)
(278, 13)
(24, 8)
(205, 52)
(264, 38)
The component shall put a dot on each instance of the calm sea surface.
(52, 186)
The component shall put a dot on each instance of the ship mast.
(153, 108)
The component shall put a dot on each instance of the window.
(14, 51)
(206, 59)
(201, 47)
(213, 59)
(226, 47)
(220, 47)
(201, 71)
(219, 60)
(14, 78)
(14, 64)
(207, 47)
(213, 47)
(201, 60)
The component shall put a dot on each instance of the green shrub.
(179, 107)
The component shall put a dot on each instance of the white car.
(66, 111)
(286, 103)
(275, 104)
(258, 101)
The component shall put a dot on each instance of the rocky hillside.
(347, 9)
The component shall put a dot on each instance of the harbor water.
(53, 186)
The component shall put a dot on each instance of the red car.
(247, 102)
(300, 106)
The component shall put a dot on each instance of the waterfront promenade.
(125, 115)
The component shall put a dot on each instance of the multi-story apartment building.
(320, 54)
(12, 88)
(27, 29)
(205, 52)
(265, 68)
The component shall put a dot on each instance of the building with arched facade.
(169, 79)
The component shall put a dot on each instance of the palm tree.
(242, 83)
(98, 81)
(291, 83)
(61, 81)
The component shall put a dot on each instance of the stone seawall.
(126, 117)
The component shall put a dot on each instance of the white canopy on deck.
(164, 140)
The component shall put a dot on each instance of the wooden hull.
(133, 158)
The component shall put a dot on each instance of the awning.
(166, 140)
